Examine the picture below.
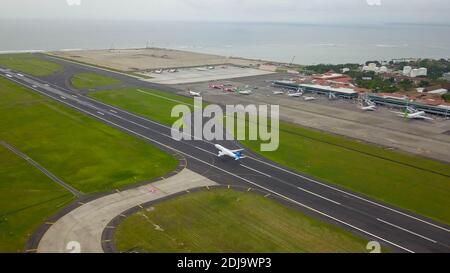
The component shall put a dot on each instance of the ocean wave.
(391, 45)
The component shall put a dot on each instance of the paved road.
(84, 225)
(395, 228)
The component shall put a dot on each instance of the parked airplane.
(411, 113)
(244, 92)
(194, 94)
(309, 98)
(296, 94)
(216, 86)
(368, 108)
(159, 71)
(236, 154)
(228, 89)
(368, 105)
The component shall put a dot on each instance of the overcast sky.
(301, 11)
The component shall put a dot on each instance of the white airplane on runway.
(236, 154)
(194, 94)
(411, 113)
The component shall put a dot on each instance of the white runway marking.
(256, 171)
(320, 196)
(404, 229)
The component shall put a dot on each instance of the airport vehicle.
(172, 70)
(411, 113)
(158, 71)
(236, 154)
(9, 76)
(194, 94)
(309, 98)
(277, 92)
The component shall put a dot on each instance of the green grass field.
(92, 80)
(30, 64)
(86, 153)
(154, 104)
(230, 221)
(407, 181)
(27, 198)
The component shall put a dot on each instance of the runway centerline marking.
(318, 195)
(406, 230)
(255, 170)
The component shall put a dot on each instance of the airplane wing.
(427, 118)
(237, 151)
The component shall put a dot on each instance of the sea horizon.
(285, 42)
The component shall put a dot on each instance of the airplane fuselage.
(235, 154)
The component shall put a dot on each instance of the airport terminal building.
(430, 106)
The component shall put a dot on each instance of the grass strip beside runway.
(29, 64)
(27, 198)
(83, 152)
(91, 80)
(230, 221)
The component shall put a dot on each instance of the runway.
(395, 228)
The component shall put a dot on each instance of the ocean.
(302, 43)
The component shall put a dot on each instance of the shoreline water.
(306, 44)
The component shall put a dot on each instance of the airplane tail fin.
(238, 155)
